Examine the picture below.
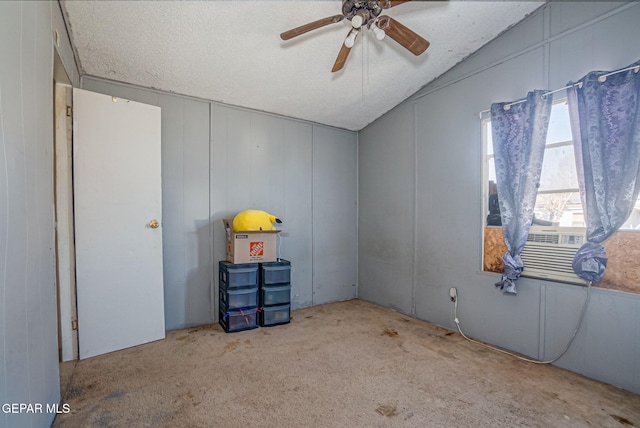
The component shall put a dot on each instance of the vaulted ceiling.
(231, 51)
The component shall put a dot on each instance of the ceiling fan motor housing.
(367, 9)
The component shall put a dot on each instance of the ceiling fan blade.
(311, 26)
(341, 59)
(352, 35)
(403, 35)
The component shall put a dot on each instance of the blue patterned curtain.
(605, 122)
(519, 135)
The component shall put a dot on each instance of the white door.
(118, 225)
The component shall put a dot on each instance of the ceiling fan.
(365, 14)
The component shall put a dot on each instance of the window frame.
(485, 120)
(622, 268)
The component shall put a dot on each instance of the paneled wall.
(387, 210)
(217, 161)
(420, 172)
(303, 173)
(334, 205)
(28, 314)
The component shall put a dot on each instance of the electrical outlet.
(453, 293)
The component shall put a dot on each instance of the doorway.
(63, 201)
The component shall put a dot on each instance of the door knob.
(153, 224)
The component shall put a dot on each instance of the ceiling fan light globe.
(357, 21)
(351, 39)
(378, 32)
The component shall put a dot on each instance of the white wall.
(301, 172)
(420, 173)
(28, 314)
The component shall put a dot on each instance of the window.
(558, 201)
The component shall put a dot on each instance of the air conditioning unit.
(549, 252)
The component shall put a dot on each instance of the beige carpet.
(346, 364)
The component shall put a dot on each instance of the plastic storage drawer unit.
(275, 272)
(240, 320)
(241, 298)
(275, 295)
(238, 275)
(275, 315)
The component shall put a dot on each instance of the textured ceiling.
(231, 52)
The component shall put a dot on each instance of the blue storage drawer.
(240, 320)
(275, 315)
(275, 272)
(240, 298)
(237, 275)
(275, 295)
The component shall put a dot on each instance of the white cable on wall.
(575, 333)
(279, 250)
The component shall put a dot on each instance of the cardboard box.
(250, 246)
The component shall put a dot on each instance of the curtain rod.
(601, 79)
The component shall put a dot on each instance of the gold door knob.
(153, 224)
